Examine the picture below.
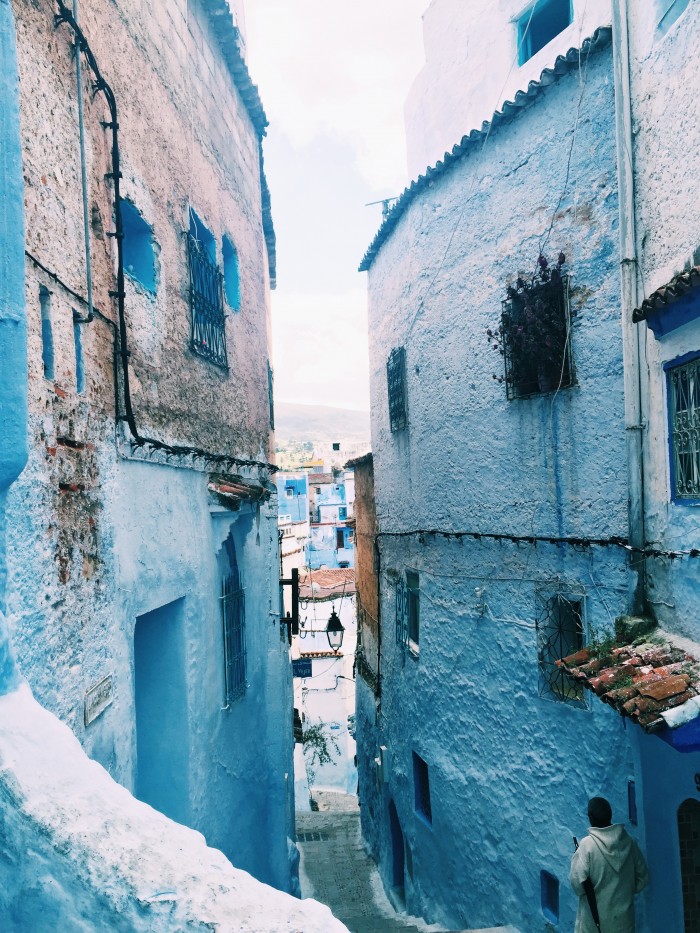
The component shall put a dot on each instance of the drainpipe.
(632, 335)
(83, 173)
(13, 327)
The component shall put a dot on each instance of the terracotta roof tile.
(642, 680)
(679, 286)
(327, 583)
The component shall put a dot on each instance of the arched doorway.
(688, 835)
(397, 852)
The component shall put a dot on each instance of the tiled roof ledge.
(653, 678)
(601, 38)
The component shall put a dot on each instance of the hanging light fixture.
(335, 631)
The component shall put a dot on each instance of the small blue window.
(232, 280)
(537, 27)
(203, 236)
(549, 892)
(47, 352)
(79, 358)
(421, 788)
(632, 802)
(342, 513)
(139, 260)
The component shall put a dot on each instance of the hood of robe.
(613, 843)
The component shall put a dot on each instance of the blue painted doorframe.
(13, 328)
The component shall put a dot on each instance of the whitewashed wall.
(471, 69)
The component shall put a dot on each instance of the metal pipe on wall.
(632, 336)
(83, 170)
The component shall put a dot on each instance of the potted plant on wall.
(533, 335)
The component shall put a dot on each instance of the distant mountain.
(295, 422)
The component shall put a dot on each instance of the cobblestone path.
(336, 871)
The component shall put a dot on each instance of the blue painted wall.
(13, 333)
(510, 770)
(296, 504)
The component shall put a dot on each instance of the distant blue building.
(332, 541)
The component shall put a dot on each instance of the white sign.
(98, 698)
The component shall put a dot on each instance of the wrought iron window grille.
(396, 386)
(401, 613)
(560, 632)
(684, 412)
(233, 623)
(536, 340)
(208, 334)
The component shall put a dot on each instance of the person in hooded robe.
(613, 862)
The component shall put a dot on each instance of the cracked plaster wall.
(510, 771)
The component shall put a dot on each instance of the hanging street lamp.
(335, 631)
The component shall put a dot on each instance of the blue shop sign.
(301, 667)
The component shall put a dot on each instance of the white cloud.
(319, 347)
(341, 70)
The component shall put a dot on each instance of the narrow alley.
(336, 870)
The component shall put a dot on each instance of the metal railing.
(208, 336)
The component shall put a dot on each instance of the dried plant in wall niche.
(534, 333)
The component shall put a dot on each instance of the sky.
(333, 78)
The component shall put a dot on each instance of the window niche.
(232, 279)
(560, 632)
(534, 333)
(549, 896)
(137, 246)
(540, 24)
(47, 348)
(421, 788)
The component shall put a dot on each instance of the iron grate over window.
(560, 632)
(396, 385)
(208, 337)
(233, 619)
(537, 340)
(684, 405)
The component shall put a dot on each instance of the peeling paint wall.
(99, 534)
(472, 67)
(510, 770)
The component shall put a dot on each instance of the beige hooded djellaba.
(615, 865)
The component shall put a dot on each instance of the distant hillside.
(319, 423)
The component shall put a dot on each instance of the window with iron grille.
(233, 623)
(534, 332)
(396, 384)
(684, 428)
(560, 632)
(208, 334)
(413, 607)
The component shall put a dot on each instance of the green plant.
(533, 333)
(319, 749)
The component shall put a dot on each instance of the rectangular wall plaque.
(301, 667)
(98, 698)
